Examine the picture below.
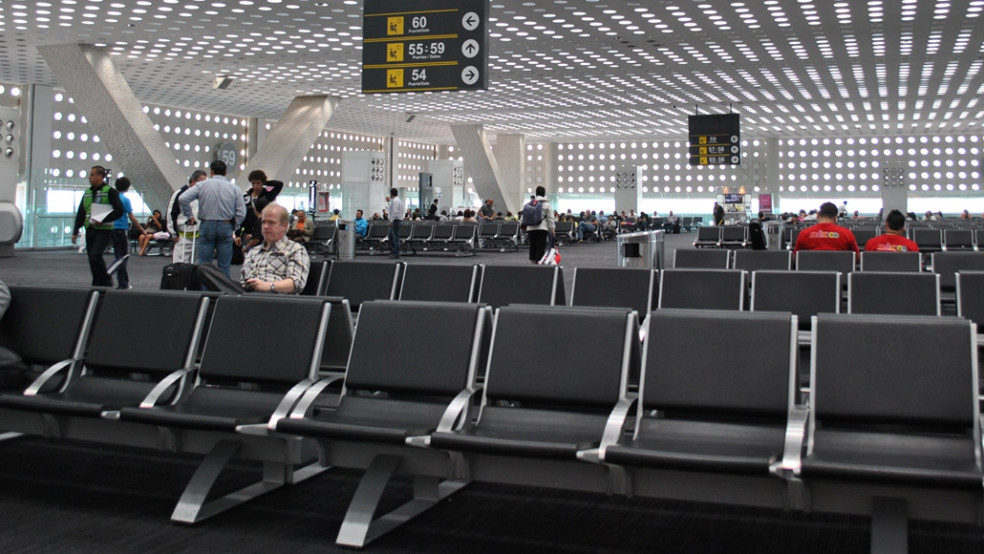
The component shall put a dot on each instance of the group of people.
(827, 235)
(207, 219)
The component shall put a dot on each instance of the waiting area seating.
(891, 428)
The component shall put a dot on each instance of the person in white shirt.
(395, 209)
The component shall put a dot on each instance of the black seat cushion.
(90, 396)
(527, 433)
(938, 460)
(210, 408)
(370, 419)
(708, 446)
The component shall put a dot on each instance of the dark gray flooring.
(73, 497)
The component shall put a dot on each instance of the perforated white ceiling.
(560, 69)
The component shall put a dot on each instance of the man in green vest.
(100, 206)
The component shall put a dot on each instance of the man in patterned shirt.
(279, 265)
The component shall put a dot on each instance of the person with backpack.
(539, 221)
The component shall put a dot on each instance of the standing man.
(279, 265)
(538, 231)
(221, 210)
(432, 211)
(99, 208)
(718, 214)
(183, 234)
(121, 235)
(396, 210)
(487, 212)
(894, 238)
(826, 234)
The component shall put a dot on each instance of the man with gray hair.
(278, 265)
(181, 233)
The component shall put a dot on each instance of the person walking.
(99, 208)
(221, 210)
(538, 232)
(121, 236)
(395, 209)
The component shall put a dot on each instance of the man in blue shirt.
(361, 225)
(121, 238)
(221, 210)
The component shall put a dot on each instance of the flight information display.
(715, 139)
(424, 45)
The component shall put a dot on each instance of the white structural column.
(284, 147)
(480, 162)
(510, 153)
(773, 173)
(113, 112)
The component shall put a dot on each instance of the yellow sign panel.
(394, 78)
(394, 52)
(394, 26)
(703, 161)
(703, 150)
(702, 140)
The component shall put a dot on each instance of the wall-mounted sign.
(715, 139)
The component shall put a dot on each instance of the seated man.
(303, 229)
(826, 235)
(589, 224)
(279, 265)
(361, 225)
(894, 238)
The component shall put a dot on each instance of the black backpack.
(532, 213)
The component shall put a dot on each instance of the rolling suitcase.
(181, 276)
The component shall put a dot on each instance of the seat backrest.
(286, 351)
(947, 264)
(534, 361)
(422, 231)
(958, 238)
(442, 283)
(753, 260)
(317, 279)
(702, 289)
(324, 231)
(465, 231)
(122, 339)
(701, 258)
(970, 295)
(564, 227)
(379, 230)
(902, 370)
(361, 281)
(863, 234)
(509, 229)
(804, 293)
(429, 348)
(743, 367)
(928, 239)
(734, 233)
(615, 286)
(45, 325)
(891, 261)
(443, 231)
(488, 229)
(522, 284)
(876, 292)
(825, 260)
(708, 234)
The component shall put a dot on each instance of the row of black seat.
(805, 293)
(892, 426)
(946, 264)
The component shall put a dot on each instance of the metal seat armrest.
(293, 396)
(792, 453)
(308, 397)
(452, 419)
(179, 376)
(51, 373)
(614, 428)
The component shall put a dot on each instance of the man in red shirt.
(826, 235)
(894, 238)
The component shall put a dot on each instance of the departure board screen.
(715, 139)
(424, 45)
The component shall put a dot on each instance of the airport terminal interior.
(872, 105)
